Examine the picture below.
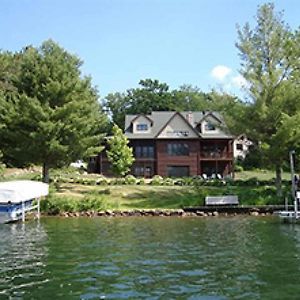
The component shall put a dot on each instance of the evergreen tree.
(119, 153)
(52, 116)
(270, 58)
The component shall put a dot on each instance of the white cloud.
(238, 81)
(220, 72)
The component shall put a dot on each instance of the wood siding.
(205, 156)
(164, 160)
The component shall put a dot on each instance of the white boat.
(17, 198)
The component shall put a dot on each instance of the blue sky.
(122, 41)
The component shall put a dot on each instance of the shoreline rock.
(156, 213)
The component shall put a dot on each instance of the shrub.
(168, 181)
(97, 192)
(253, 181)
(238, 168)
(90, 181)
(178, 181)
(91, 202)
(141, 181)
(156, 180)
(117, 181)
(54, 205)
(188, 180)
(102, 181)
(130, 179)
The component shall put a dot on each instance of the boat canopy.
(22, 190)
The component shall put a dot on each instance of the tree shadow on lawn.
(161, 199)
(74, 188)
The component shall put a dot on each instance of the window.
(144, 151)
(138, 151)
(178, 133)
(213, 150)
(142, 127)
(239, 146)
(178, 171)
(143, 171)
(139, 171)
(209, 127)
(177, 149)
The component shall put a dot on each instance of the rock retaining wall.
(159, 213)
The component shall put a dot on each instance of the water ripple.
(150, 258)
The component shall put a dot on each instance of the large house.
(176, 144)
(241, 147)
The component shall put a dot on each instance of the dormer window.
(142, 127)
(209, 127)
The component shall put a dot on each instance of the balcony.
(215, 155)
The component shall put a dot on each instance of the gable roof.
(214, 114)
(142, 115)
(184, 119)
(160, 119)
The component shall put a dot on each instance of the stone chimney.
(189, 117)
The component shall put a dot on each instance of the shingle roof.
(161, 118)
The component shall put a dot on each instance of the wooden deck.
(241, 209)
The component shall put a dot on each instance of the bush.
(168, 181)
(91, 202)
(117, 181)
(141, 181)
(97, 192)
(156, 180)
(54, 205)
(130, 179)
(102, 180)
(188, 180)
(238, 168)
(253, 181)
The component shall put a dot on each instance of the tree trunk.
(278, 181)
(45, 173)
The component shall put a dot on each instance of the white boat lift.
(17, 197)
(292, 215)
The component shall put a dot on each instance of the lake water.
(150, 258)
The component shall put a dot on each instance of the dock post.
(292, 153)
(38, 208)
(23, 211)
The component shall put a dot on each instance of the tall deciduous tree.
(152, 95)
(52, 117)
(119, 153)
(269, 60)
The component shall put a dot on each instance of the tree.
(270, 54)
(151, 96)
(52, 116)
(156, 96)
(2, 165)
(117, 104)
(189, 98)
(119, 153)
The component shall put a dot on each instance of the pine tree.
(270, 57)
(53, 116)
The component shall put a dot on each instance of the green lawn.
(260, 175)
(134, 196)
(81, 197)
(77, 197)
